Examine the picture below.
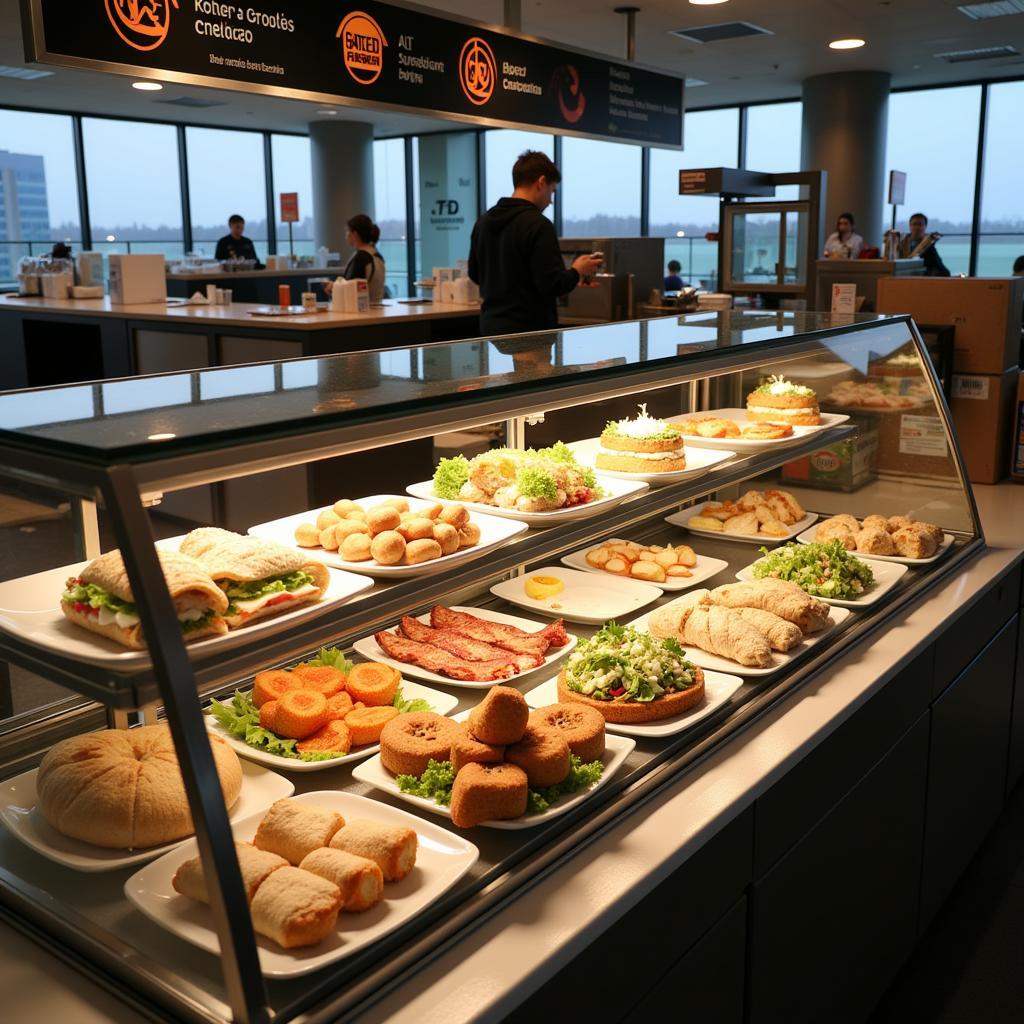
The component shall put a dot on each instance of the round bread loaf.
(122, 789)
(633, 712)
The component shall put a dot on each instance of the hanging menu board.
(367, 55)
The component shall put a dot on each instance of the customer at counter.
(234, 245)
(933, 265)
(1018, 267)
(673, 282)
(514, 255)
(844, 243)
(366, 262)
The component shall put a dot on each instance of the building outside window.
(600, 189)
(389, 211)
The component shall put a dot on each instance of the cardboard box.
(843, 466)
(986, 312)
(137, 278)
(1017, 441)
(982, 407)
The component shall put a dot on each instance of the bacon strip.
(499, 634)
(464, 646)
(435, 660)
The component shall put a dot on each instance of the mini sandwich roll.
(360, 879)
(293, 830)
(295, 907)
(391, 847)
(255, 865)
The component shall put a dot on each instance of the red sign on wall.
(289, 207)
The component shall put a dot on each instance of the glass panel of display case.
(754, 258)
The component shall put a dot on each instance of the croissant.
(781, 635)
(716, 630)
(780, 597)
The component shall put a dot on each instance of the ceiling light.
(161, 437)
(706, 3)
(327, 111)
(846, 44)
(147, 86)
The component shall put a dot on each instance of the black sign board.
(363, 54)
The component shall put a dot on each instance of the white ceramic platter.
(617, 492)
(585, 597)
(698, 460)
(440, 702)
(683, 519)
(745, 446)
(442, 858)
(367, 647)
(807, 537)
(494, 532)
(887, 575)
(705, 568)
(18, 811)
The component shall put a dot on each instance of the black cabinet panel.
(967, 766)
(811, 788)
(833, 921)
(1016, 769)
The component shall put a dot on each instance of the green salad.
(822, 570)
(621, 663)
(437, 781)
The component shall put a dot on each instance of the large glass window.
(389, 211)
(933, 137)
(600, 188)
(38, 192)
(226, 176)
(501, 149)
(711, 139)
(133, 208)
(773, 142)
(291, 166)
(1001, 237)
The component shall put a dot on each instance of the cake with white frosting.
(641, 445)
(778, 400)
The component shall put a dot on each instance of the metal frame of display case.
(176, 678)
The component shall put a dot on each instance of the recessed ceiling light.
(706, 3)
(161, 437)
(846, 44)
(147, 86)
(327, 111)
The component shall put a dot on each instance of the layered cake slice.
(641, 445)
(778, 400)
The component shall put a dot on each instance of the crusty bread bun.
(635, 712)
(122, 789)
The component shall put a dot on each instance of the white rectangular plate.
(617, 749)
(617, 492)
(698, 460)
(887, 575)
(807, 537)
(705, 568)
(442, 858)
(683, 519)
(584, 599)
(718, 688)
(440, 702)
(367, 648)
(780, 659)
(18, 811)
(30, 610)
(744, 446)
(493, 533)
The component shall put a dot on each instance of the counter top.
(228, 275)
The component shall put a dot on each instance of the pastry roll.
(292, 829)
(256, 866)
(780, 634)
(360, 880)
(391, 847)
(295, 907)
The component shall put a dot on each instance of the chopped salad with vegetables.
(821, 569)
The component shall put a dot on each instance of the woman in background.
(366, 262)
(844, 243)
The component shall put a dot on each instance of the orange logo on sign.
(566, 77)
(478, 70)
(142, 24)
(362, 47)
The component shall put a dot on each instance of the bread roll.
(422, 550)
(391, 847)
(360, 880)
(292, 829)
(255, 865)
(295, 907)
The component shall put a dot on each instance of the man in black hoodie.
(514, 255)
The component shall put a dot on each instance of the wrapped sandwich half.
(260, 578)
(100, 599)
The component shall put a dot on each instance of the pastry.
(295, 907)
(745, 522)
(122, 788)
(837, 528)
(781, 401)
(488, 792)
(360, 879)
(501, 717)
(713, 629)
(782, 598)
(467, 749)
(292, 829)
(391, 847)
(641, 445)
(875, 523)
(255, 866)
(381, 518)
(894, 523)
(935, 532)
(708, 426)
(356, 547)
(422, 549)
(410, 742)
(781, 635)
(367, 724)
(873, 541)
(911, 543)
(582, 727)
(766, 431)
(543, 754)
(300, 713)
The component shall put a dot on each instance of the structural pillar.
(845, 121)
(342, 159)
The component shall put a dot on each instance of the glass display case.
(96, 466)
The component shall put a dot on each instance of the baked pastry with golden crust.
(295, 907)
(778, 400)
(410, 742)
(360, 880)
(838, 529)
(543, 754)
(635, 712)
(488, 792)
(781, 597)
(501, 717)
(582, 727)
(873, 541)
(467, 749)
(391, 847)
(641, 445)
(255, 865)
(293, 829)
(780, 634)
(911, 543)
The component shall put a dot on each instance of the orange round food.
(374, 684)
(324, 679)
(300, 713)
(335, 737)
(366, 724)
(270, 685)
(268, 715)
(339, 705)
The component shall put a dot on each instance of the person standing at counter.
(366, 262)
(933, 265)
(515, 258)
(234, 245)
(1018, 267)
(844, 243)
(673, 282)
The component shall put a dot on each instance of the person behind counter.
(234, 245)
(673, 282)
(933, 265)
(366, 262)
(844, 243)
(1018, 267)
(515, 258)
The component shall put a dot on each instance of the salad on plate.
(823, 570)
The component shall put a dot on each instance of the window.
(773, 142)
(712, 140)
(389, 211)
(501, 148)
(1001, 232)
(38, 191)
(933, 137)
(292, 171)
(600, 188)
(225, 176)
(132, 211)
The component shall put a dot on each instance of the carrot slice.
(334, 737)
(339, 705)
(366, 724)
(270, 685)
(324, 679)
(374, 684)
(268, 715)
(300, 713)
